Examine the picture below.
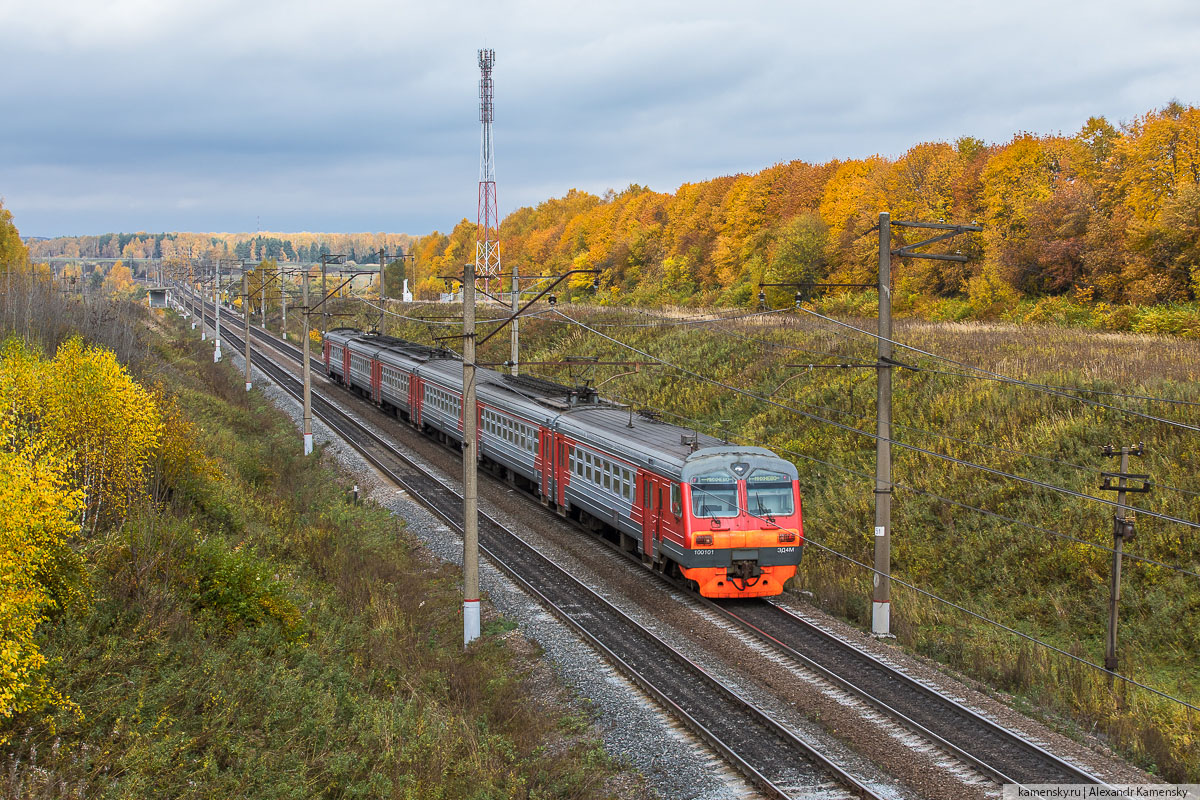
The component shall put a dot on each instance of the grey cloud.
(201, 115)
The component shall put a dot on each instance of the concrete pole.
(382, 295)
(263, 292)
(1114, 596)
(324, 290)
(881, 605)
(217, 314)
(308, 442)
(246, 317)
(191, 293)
(200, 301)
(515, 357)
(470, 466)
(283, 304)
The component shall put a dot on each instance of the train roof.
(641, 438)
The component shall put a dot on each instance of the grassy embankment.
(1047, 587)
(259, 636)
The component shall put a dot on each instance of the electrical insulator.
(596, 284)
(552, 300)
(762, 298)
(798, 300)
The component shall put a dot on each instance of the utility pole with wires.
(881, 596)
(1123, 531)
(516, 334)
(200, 300)
(326, 260)
(246, 317)
(217, 315)
(470, 466)
(308, 438)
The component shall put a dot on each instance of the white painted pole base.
(470, 621)
(217, 353)
(203, 335)
(308, 444)
(248, 385)
(881, 621)
(193, 324)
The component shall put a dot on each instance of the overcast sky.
(355, 115)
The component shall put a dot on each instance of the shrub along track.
(1000, 753)
(774, 759)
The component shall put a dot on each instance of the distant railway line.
(737, 731)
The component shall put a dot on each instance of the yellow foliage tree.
(87, 404)
(38, 571)
(119, 282)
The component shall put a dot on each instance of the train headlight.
(704, 540)
(787, 537)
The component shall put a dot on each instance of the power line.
(1002, 378)
(1001, 625)
(1166, 400)
(877, 437)
(670, 322)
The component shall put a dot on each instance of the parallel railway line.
(996, 751)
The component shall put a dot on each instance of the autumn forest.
(1102, 223)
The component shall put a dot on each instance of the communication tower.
(487, 237)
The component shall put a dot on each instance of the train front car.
(743, 520)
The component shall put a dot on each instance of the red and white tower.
(487, 235)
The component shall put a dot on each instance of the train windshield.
(714, 495)
(769, 494)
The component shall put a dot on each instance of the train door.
(414, 399)
(545, 462)
(562, 466)
(652, 510)
(325, 346)
(346, 364)
(377, 382)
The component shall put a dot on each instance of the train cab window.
(676, 500)
(714, 495)
(769, 494)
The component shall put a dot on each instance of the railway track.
(775, 760)
(996, 751)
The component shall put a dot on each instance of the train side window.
(676, 501)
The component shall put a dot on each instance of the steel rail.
(852, 681)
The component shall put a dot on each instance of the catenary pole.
(308, 439)
(246, 317)
(199, 292)
(470, 466)
(881, 605)
(515, 358)
(217, 315)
